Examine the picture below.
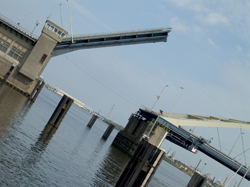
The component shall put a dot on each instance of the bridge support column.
(197, 180)
(141, 166)
(60, 111)
(92, 121)
(38, 88)
(7, 75)
(127, 139)
(108, 132)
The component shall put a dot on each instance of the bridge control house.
(23, 57)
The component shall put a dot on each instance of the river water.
(74, 155)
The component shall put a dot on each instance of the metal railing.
(15, 26)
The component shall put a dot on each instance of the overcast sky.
(207, 53)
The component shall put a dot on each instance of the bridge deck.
(204, 147)
(189, 141)
(111, 39)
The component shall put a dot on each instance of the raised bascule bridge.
(160, 126)
(23, 57)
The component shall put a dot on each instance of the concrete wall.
(128, 138)
(33, 67)
(16, 37)
(15, 79)
(156, 136)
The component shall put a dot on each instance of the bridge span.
(160, 126)
(69, 43)
(23, 57)
(191, 142)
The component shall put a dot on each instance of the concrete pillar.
(60, 111)
(108, 132)
(7, 75)
(36, 91)
(197, 180)
(141, 166)
(92, 121)
(127, 139)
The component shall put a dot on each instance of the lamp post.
(235, 143)
(110, 111)
(158, 97)
(204, 166)
(37, 23)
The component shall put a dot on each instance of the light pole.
(203, 167)
(243, 145)
(158, 97)
(235, 143)
(176, 102)
(110, 111)
(37, 23)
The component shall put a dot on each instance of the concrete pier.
(108, 132)
(38, 88)
(60, 111)
(197, 180)
(128, 139)
(141, 166)
(29, 55)
(92, 121)
(7, 75)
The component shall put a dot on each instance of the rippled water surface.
(34, 154)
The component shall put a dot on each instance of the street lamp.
(158, 97)
(203, 167)
(37, 23)
(235, 143)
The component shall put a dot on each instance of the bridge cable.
(90, 73)
(76, 92)
(104, 85)
(242, 153)
(243, 144)
(219, 137)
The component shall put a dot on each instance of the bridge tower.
(25, 55)
(139, 125)
(42, 51)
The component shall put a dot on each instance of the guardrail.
(16, 26)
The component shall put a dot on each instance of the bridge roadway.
(111, 39)
(189, 141)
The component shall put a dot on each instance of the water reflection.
(36, 151)
(46, 135)
(13, 107)
(80, 142)
(110, 168)
(75, 156)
